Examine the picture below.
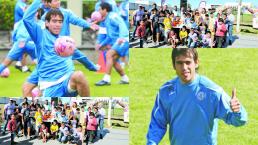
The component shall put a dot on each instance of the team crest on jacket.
(201, 96)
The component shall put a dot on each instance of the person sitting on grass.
(207, 41)
(183, 36)
(54, 129)
(63, 133)
(43, 133)
(172, 39)
(77, 136)
(192, 39)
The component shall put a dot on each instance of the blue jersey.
(78, 55)
(102, 34)
(51, 67)
(69, 17)
(192, 111)
(46, 9)
(15, 30)
(21, 33)
(124, 11)
(116, 28)
(19, 10)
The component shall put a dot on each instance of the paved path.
(112, 137)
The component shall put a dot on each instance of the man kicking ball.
(117, 35)
(56, 78)
(191, 105)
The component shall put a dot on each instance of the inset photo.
(64, 48)
(70, 120)
(190, 96)
(193, 24)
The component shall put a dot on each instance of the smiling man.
(191, 105)
(56, 75)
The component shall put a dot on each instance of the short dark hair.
(40, 13)
(106, 6)
(183, 51)
(54, 12)
(221, 20)
(91, 114)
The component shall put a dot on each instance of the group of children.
(186, 27)
(67, 124)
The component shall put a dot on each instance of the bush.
(7, 14)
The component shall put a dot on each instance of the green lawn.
(246, 25)
(227, 67)
(12, 86)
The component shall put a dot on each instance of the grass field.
(12, 86)
(227, 67)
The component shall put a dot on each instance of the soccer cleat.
(18, 67)
(123, 82)
(28, 70)
(102, 83)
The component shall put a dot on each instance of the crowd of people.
(61, 121)
(192, 28)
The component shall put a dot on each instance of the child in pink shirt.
(12, 128)
(141, 30)
(91, 127)
(220, 32)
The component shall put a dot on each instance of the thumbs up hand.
(234, 103)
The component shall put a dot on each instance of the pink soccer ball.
(35, 92)
(96, 16)
(5, 73)
(64, 46)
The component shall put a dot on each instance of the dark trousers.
(7, 118)
(136, 26)
(184, 41)
(90, 136)
(141, 42)
(219, 40)
(12, 136)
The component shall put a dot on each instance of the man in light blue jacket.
(191, 105)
